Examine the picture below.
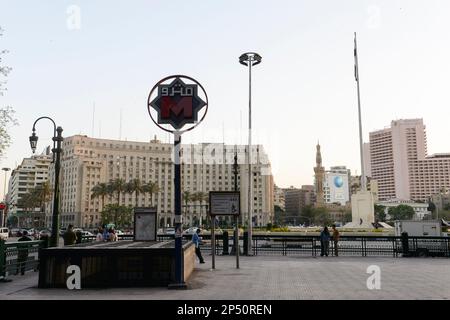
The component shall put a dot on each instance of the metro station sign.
(177, 103)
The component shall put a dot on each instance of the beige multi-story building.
(400, 163)
(87, 162)
(31, 173)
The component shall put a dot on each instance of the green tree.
(7, 118)
(187, 197)
(279, 215)
(151, 188)
(380, 214)
(308, 214)
(322, 216)
(135, 186)
(100, 190)
(42, 194)
(118, 186)
(401, 212)
(28, 202)
(121, 216)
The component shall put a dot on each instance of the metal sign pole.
(179, 281)
(213, 241)
(236, 241)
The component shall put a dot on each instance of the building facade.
(337, 185)
(31, 173)
(297, 199)
(420, 209)
(401, 165)
(87, 162)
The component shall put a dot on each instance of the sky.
(67, 56)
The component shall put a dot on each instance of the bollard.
(225, 251)
(246, 243)
(405, 244)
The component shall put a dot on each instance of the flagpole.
(363, 174)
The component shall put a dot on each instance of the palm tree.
(187, 197)
(100, 190)
(135, 186)
(200, 197)
(118, 185)
(151, 188)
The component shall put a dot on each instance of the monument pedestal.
(362, 210)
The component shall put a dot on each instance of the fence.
(16, 257)
(300, 245)
(19, 257)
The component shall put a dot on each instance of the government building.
(205, 167)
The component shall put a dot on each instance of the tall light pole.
(363, 173)
(3, 218)
(57, 140)
(250, 59)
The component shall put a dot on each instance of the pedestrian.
(112, 235)
(70, 237)
(196, 240)
(324, 242)
(22, 253)
(105, 233)
(335, 240)
(99, 237)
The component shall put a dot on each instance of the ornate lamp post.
(250, 59)
(57, 139)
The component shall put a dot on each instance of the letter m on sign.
(183, 105)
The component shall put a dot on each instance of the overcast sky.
(113, 52)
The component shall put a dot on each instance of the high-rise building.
(31, 173)
(87, 162)
(400, 163)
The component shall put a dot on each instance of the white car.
(4, 233)
(191, 230)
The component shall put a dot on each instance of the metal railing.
(19, 257)
(301, 245)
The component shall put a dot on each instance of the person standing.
(22, 254)
(196, 241)
(335, 240)
(70, 237)
(99, 237)
(324, 242)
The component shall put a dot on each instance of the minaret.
(319, 176)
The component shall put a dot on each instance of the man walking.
(22, 254)
(196, 241)
(335, 239)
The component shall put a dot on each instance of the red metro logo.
(177, 103)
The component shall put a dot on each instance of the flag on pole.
(355, 53)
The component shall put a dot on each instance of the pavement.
(274, 278)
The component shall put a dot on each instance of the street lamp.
(57, 139)
(3, 218)
(250, 59)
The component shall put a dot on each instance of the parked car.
(46, 233)
(190, 231)
(4, 233)
(86, 233)
(14, 232)
(169, 231)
